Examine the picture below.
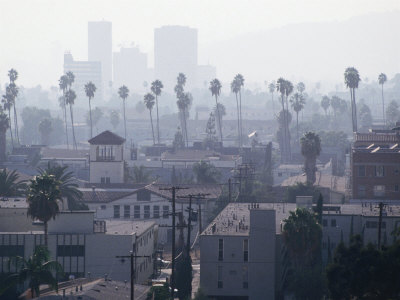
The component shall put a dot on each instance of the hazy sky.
(35, 33)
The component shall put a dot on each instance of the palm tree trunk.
(289, 154)
(66, 121)
(124, 118)
(45, 233)
(273, 105)
(9, 120)
(238, 116)
(72, 124)
(355, 110)
(219, 118)
(186, 132)
(241, 119)
(158, 125)
(16, 125)
(283, 150)
(90, 115)
(152, 128)
(2, 145)
(383, 108)
(297, 124)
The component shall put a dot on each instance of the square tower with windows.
(107, 158)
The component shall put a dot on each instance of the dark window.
(246, 250)
(103, 207)
(220, 249)
(70, 250)
(127, 211)
(136, 211)
(361, 171)
(165, 211)
(325, 222)
(361, 190)
(379, 171)
(219, 277)
(116, 211)
(333, 223)
(147, 211)
(156, 211)
(11, 250)
(143, 195)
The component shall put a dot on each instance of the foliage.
(325, 103)
(301, 189)
(211, 138)
(310, 149)
(365, 116)
(158, 292)
(200, 295)
(334, 139)
(4, 125)
(205, 173)
(45, 129)
(114, 118)
(31, 118)
(215, 88)
(184, 277)
(37, 270)
(393, 113)
(10, 186)
(149, 102)
(178, 142)
(363, 272)
(141, 175)
(97, 114)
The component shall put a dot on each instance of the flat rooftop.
(117, 227)
(367, 209)
(235, 218)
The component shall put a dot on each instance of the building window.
(246, 250)
(127, 211)
(379, 190)
(143, 195)
(220, 249)
(219, 278)
(333, 223)
(361, 171)
(325, 222)
(105, 180)
(103, 207)
(105, 153)
(374, 224)
(156, 212)
(11, 250)
(245, 277)
(361, 191)
(70, 250)
(165, 211)
(147, 211)
(136, 211)
(379, 171)
(116, 211)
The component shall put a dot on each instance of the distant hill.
(316, 51)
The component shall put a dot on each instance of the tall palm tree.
(71, 78)
(149, 102)
(184, 102)
(37, 270)
(352, 79)
(181, 79)
(335, 104)
(382, 79)
(70, 97)
(215, 88)
(235, 88)
(90, 89)
(13, 76)
(63, 84)
(10, 185)
(156, 88)
(43, 196)
(271, 88)
(222, 111)
(68, 187)
(45, 129)
(123, 93)
(4, 125)
(301, 87)
(310, 149)
(240, 81)
(7, 101)
(297, 101)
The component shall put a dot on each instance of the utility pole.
(132, 259)
(381, 205)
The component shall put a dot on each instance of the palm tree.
(156, 88)
(184, 102)
(13, 75)
(222, 111)
(63, 84)
(149, 102)
(43, 196)
(297, 101)
(45, 128)
(335, 104)
(4, 125)
(71, 78)
(310, 149)
(90, 89)
(10, 185)
(235, 88)
(352, 79)
(301, 87)
(123, 93)
(215, 88)
(70, 97)
(37, 269)
(68, 187)
(240, 81)
(114, 119)
(181, 79)
(382, 79)
(7, 101)
(271, 88)
(325, 103)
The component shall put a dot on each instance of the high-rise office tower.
(175, 51)
(100, 48)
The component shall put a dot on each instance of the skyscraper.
(175, 51)
(100, 48)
